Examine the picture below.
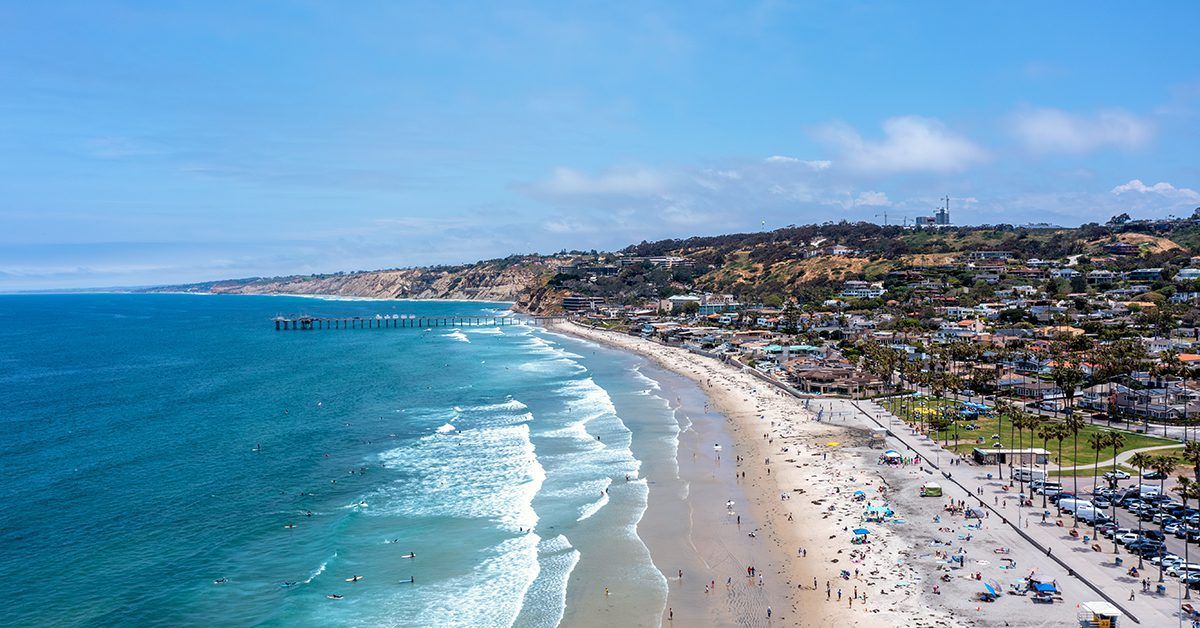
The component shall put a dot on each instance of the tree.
(1074, 424)
(1186, 489)
(1098, 441)
(1120, 219)
(1141, 460)
(1002, 408)
(1163, 465)
(1060, 434)
(1191, 454)
(1048, 433)
(939, 423)
(1116, 440)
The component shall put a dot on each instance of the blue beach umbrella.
(861, 531)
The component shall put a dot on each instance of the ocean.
(172, 459)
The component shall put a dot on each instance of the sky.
(160, 142)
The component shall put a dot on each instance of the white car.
(1170, 560)
(1180, 568)
(1118, 475)
(1127, 538)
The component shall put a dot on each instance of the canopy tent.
(892, 454)
(931, 489)
(1045, 587)
(861, 531)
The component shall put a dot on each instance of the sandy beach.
(799, 469)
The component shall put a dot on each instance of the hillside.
(807, 262)
(520, 279)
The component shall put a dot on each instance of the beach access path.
(1097, 568)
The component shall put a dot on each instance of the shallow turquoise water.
(155, 449)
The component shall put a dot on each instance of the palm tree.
(1002, 408)
(1163, 465)
(1141, 460)
(1098, 441)
(1116, 440)
(1191, 454)
(1060, 434)
(1186, 488)
(1074, 424)
(1048, 432)
(1018, 422)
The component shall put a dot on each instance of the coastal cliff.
(518, 279)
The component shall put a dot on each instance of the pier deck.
(402, 321)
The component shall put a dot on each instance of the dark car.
(1154, 535)
(1154, 475)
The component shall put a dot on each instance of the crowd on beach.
(918, 561)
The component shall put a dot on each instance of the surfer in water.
(410, 555)
(354, 578)
(220, 580)
(411, 580)
(334, 596)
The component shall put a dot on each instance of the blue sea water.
(172, 459)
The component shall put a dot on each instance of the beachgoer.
(670, 614)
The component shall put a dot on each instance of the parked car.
(1127, 538)
(1114, 531)
(1101, 502)
(1154, 475)
(1167, 560)
(1116, 475)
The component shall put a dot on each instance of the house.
(1122, 248)
(1064, 273)
(576, 303)
(1145, 274)
(989, 255)
(1188, 274)
(862, 290)
(1101, 277)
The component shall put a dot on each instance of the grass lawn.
(989, 425)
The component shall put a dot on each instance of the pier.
(401, 321)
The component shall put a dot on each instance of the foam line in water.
(457, 335)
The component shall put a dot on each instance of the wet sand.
(800, 474)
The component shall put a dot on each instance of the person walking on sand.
(768, 612)
(839, 594)
(670, 614)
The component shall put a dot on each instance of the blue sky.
(157, 142)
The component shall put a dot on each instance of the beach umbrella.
(857, 493)
(990, 589)
(890, 451)
(861, 531)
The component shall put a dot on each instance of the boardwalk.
(401, 321)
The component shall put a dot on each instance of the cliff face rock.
(521, 280)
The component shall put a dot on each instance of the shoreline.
(802, 462)
(772, 545)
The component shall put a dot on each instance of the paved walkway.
(1096, 568)
(1121, 458)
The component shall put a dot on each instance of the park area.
(978, 425)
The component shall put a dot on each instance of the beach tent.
(861, 531)
(931, 489)
(973, 513)
(892, 454)
(1045, 587)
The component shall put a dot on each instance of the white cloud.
(1161, 188)
(813, 164)
(910, 144)
(1050, 130)
(872, 199)
(568, 182)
